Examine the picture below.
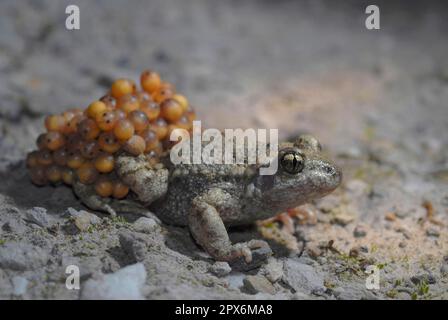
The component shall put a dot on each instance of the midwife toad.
(208, 198)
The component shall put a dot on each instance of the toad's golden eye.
(292, 162)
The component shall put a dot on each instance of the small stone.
(444, 269)
(428, 278)
(301, 276)
(364, 249)
(125, 284)
(146, 225)
(432, 232)
(20, 285)
(83, 219)
(313, 250)
(259, 257)
(133, 245)
(402, 244)
(256, 284)
(354, 252)
(390, 216)
(38, 216)
(82, 222)
(360, 231)
(273, 270)
(343, 219)
(328, 203)
(220, 268)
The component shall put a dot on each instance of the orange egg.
(55, 123)
(74, 160)
(31, 159)
(104, 163)
(135, 145)
(184, 123)
(162, 94)
(54, 140)
(110, 101)
(88, 129)
(68, 115)
(120, 114)
(124, 129)
(120, 190)
(171, 110)
(104, 187)
(90, 149)
(53, 174)
(108, 142)
(122, 87)
(150, 81)
(151, 109)
(38, 176)
(128, 103)
(139, 120)
(72, 125)
(160, 127)
(143, 97)
(60, 157)
(95, 108)
(151, 140)
(87, 173)
(106, 120)
(182, 101)
(74, 142)
(44, 158)
(67, 176)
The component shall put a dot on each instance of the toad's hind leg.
(88, 197)
(148, 182)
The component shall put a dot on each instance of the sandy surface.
(377, 100)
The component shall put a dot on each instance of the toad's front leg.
(208, 230)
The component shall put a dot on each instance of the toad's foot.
(88, 196)
(209, 231)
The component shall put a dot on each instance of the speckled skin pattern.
(209, 197)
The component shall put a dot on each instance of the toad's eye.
(292, 162)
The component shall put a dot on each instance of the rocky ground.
(377, 100)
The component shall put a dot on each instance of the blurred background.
(377, 99)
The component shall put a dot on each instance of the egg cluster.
(84, 144)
